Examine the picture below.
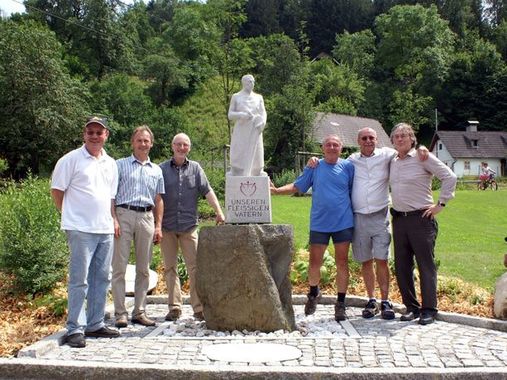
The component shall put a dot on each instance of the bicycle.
(488, 183)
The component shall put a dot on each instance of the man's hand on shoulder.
(423, 153)
(313, 162)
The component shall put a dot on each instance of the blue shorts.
(338, 236)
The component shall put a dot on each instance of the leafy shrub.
(284, 177)
(32, 247)
(216, 178)
(299, 273)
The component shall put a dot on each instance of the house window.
(440, 146)
(475, 143)
(467, 165)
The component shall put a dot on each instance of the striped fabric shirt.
(138, 183)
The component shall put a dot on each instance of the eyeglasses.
(97, 133)
(371, 138)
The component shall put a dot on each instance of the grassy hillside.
(206, 113)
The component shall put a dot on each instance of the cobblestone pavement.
(355, 343)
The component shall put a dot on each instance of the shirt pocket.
(189, 181)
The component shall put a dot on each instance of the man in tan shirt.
(414, 225)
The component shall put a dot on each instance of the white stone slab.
(130, 280)
(251, 352)
(247, 200)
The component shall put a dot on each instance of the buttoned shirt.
(410, 181)
(138, 182)
(89, 184)
(184, 185)
(370, 192)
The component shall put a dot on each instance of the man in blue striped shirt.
(138, 217)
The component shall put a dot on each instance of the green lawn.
(470, 243)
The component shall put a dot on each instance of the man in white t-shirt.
(83, 186)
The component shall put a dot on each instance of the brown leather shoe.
(173, 315)
(121, 321)
(142, 319)
(199, 316)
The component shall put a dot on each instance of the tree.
(472, 87)
(336, 87)
(329, 17)
(163, 69)
(414, 53)
(277, 62)
(357, 51)
(290, 115)
(42, 108)
(262, 18)
(231, 56)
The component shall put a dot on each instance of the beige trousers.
(187, 241)
(138, 227)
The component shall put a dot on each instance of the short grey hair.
(407, 128)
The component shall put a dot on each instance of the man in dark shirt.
(184, 181)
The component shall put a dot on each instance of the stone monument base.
(247, 200)
(243, 277)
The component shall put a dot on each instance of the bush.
(284, 177)
(32, 247)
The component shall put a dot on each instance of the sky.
(11, 6)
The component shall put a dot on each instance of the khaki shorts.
(371, 236)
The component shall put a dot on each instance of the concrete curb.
(55, 370)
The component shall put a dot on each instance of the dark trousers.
(415, 236)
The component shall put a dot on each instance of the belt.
(136, 208)
(395, 213)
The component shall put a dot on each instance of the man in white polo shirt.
(83, 186)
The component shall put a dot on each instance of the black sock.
(341, 297)
(314, 290)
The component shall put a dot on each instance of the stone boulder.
(243, 277)
(500, 304)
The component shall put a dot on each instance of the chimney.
(472, 125)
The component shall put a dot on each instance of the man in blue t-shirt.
(330, 217)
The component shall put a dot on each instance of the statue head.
(248, 82)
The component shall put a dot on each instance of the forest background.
(174, 64)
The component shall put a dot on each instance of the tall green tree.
(329, 17)
(277, 62)
(231, 56)
(262, 18)
(42, 108)
(357, 51)
(473, 85)
(414, 53)
(336, 87)
(290, 116)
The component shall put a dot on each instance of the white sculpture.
(248, 112)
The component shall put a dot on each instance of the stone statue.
(248, 112)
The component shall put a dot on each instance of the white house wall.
(458, 165)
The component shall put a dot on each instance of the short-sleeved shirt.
(89, 184)
(331, 188)
(138, 183)
(183, 186)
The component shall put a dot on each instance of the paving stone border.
(363, 349)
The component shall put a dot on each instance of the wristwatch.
(441, 204)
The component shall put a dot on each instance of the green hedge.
(32, 247)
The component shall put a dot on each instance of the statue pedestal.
(247, 200)
(243, 279)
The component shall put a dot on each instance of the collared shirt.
(89, 184)
(370, 192)
(410, 181)
(184, 184)
(138, 183)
